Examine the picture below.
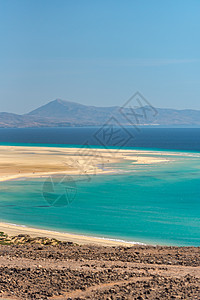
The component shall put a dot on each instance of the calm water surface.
(157, 204)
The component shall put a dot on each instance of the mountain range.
(60, 113)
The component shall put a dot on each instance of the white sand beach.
(14, 230)
(21, 162)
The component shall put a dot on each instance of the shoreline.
(77, 146)
(13, 230)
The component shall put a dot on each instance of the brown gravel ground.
(42, 268)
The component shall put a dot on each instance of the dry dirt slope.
(42, 268)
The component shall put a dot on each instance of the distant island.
(60, 113)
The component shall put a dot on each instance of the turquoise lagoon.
(153, 204)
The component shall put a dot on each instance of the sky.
(99, 52)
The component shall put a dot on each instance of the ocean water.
(158, 138)
(157, 204)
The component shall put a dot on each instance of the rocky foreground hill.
(43, 268)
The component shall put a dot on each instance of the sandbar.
(23, 161)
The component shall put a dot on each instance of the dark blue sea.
(160, 138)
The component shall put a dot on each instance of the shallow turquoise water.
(156, 204)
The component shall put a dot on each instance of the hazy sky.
(99, 52)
